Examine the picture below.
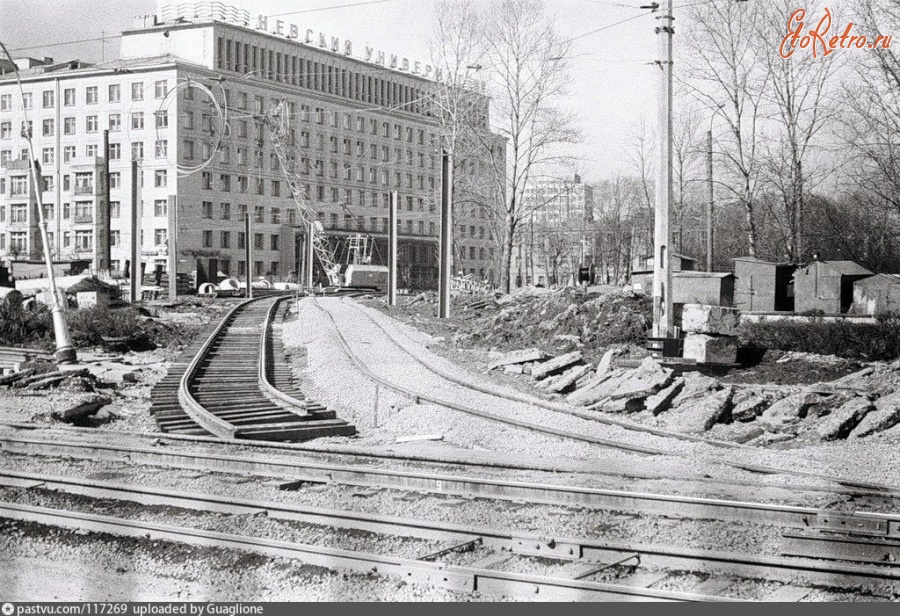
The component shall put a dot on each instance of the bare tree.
(641, 154)
(727, 73)
(799, 95)
(526, 74)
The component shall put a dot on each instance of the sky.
(613, 79)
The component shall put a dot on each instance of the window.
(160, 237)
(162, 148)
(48, 156)
(18, 213)
(115, 93)
(115, 209)
(257, 241)
(226, 211)
(49, 183)
(207, 180)
(18, 186)
(241, 241)
(90, 150)
(137, 150)
(18, 241)
(276, 216)
(225, 181)
(49, 99)
(207, 239)
(226, 239)
(90, 124)
(274, 242)
(242, 183)
(187, 149)
(207, 209)
(5, 102)
(5, 130)
(162, 119)
(47, 127)
(115, 122)
(259, 214)
(187, 120)
(137, 91)
(90, 95)
(84, 241)
(160, 178)
(276, 188)
(160, 207)
(137, 120)
(26, 100)
(115, 238)
(67, 211)
(160, 89)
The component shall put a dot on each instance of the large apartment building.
(358, 129)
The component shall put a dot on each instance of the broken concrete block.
(622, 405)
(842, 420)
(788, 410)
(704, 412)
(596, 389)
(556, 364)
(885, 415)
(82, 406)
(513, 369)
(662, 400)
(695, 385)
(706, 349)
(567, 379)
(517, 357)
(749, 408)
(702, 319)
(645, 380)
(46, 381)
(606, 361)
(737, 432)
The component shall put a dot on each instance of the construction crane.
(277, 123)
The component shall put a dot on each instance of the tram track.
(224, 387)
(448, 566)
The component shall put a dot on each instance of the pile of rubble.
(561, 321)
(84, 393)
(858, 405)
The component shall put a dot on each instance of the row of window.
(91, 95)
(297, 71)
(91, 124)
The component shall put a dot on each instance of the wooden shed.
(877, 295)
(763, 286)
(709, 288)
(827, 286)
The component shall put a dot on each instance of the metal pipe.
(135, 235)
(709, 204)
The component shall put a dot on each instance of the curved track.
(622, 446)
(226, 388)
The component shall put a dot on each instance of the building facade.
(557, 237)
(192, 99)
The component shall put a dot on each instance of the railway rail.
(614, 444)
(224, 385)
(643, 565)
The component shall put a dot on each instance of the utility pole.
(392, 249)
(172, 248)
(135, 235)
(709, 203)
(308, 270)
(102, 247)
(663, 323)
(446, 235)
(248, 254)
(65, 350)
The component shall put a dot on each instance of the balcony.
(83, 219)
(83, 190)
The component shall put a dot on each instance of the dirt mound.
(560, 321)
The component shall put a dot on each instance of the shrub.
(20, 326)
(88, 326)
(861, 341)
